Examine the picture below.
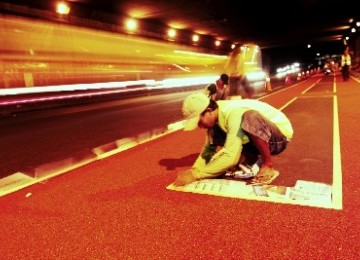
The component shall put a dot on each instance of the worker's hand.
(265, 176)
(184, 177)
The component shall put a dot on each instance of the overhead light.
(217, 43)
(62, 8)
(131, 24)
(195, 38)
(171, 33)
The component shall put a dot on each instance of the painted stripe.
(337, 172)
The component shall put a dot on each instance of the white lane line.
(288, 103)
(337, 172)
(285, 89)
(356, 79)
(337, 168)
(311, 86)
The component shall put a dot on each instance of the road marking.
(337, 168)
(288, 103)
(306, 90)
(337, 172)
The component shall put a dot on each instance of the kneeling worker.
(251, 130)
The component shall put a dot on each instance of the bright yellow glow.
(131, 24)
(53, 51)
(139, 11)
(195, 38)
(181, 67)
(177, 25)
(198, 54)
(172, 33)
(62, 8)
(203, 32)
(217, 43)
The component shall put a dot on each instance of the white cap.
(192, 108)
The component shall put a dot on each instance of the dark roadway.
(31, 139)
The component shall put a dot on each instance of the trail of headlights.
(119, 87)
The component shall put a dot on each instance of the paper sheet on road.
(304, 192)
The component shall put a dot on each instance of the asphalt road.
(35, 138)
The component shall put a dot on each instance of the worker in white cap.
(253, 130)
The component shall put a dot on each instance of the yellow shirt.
(345, 60)
(230, 114)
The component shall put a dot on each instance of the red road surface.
(119, 208)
